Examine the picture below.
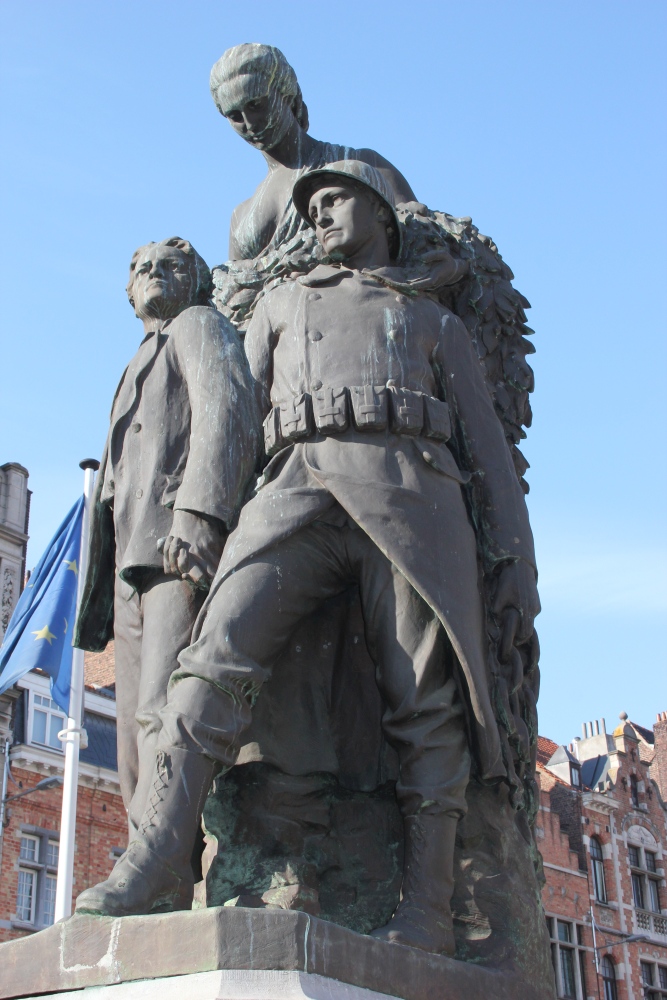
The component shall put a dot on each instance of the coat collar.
(391, 277)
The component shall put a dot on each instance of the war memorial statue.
(181, 446)
(325, 649)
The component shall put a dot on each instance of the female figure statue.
(256, 90)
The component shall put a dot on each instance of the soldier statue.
(181, 447)
(376, 414)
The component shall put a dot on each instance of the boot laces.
(160, 783)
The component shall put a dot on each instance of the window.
(29, 849)
(638, 891)
(36, 886)
(608, 970)
(574, 776)
(568, 985)
(25, 896)
(653, 895)
(598, 870)
(634, 792)
(49, 903)
(52, 852)
(645, 880)
(47, 720)
(568, 956)
(656, 976)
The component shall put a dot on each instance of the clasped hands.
(193, 549)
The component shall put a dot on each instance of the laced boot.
(423, 918)
(155, 873)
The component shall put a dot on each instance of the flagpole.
(71, 736)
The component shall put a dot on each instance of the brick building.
(602, 832)
(29, 724)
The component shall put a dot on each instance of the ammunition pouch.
(368, 408)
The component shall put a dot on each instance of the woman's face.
(262, 121)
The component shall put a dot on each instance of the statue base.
(234, 953)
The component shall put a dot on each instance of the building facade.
(29, 725)
(14, 517)
(602, 833)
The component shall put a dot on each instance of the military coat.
(339, 327)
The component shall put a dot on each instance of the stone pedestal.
(226, 985)
(233, 953)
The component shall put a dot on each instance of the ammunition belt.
(331, 410)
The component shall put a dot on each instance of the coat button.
(111, 484)
(136, 427)
(316, 384)
(139, 494)
(401, 299)
(315, 335)
(314, 296)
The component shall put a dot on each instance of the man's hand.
(515, 605)
(193, 549)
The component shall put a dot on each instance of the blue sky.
(543, 121)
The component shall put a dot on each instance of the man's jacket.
(343, 329)
(183, 436)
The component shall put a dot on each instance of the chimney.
(658, 769)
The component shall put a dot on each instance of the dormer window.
(575, 778)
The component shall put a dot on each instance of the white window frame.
(37, 842)
(40, 869)
(51, 713)
(646, 876)
(33, 899)
(578, 953)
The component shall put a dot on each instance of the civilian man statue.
(363, 386)
(181, 447)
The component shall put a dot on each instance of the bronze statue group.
(336, 407)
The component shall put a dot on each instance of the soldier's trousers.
(151, 629)
(247, 621)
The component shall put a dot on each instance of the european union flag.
(39, 633)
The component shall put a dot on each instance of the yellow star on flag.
(72, 565)
(44, 633)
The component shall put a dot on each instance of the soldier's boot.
(423, 918)
(155, 873)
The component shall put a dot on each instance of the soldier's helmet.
(362, 174)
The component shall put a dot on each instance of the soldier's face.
(346, 219)
(164, 282)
